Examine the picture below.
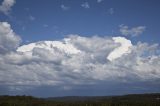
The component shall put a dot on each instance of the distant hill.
(126, 100)
(101, 98)
(78, 98)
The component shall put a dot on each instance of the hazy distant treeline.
(127, 100)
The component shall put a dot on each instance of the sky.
(79, 47)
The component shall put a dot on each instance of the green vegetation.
(127, 100)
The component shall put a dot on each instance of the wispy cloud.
(111, 11)
(99, 1)
(135, 31)
(32, 18)
(85, 5)
(45, 25)
(6, 6)
(26, 9)
(63, 7)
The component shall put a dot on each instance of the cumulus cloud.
(8, 39)
(76, 60)
(6, 6)
(85, 5)
(135, 31)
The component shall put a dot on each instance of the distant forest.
(126, 100)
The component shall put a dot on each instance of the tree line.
(127, 100)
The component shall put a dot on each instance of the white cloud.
(52, 46)
(85, 5)
(63, 7)
(6, 5)
(123, 49)
(135, 31)
(8, 39)
(76, 60)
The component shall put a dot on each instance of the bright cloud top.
(75, 60)
(6, 5)
(52, 46)
(123, 49)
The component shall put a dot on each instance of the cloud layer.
(75, 60)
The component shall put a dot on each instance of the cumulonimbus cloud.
(75, 60)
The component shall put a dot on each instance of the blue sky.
(41, 20)
(98, 47)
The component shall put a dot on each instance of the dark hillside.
(126, 100)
